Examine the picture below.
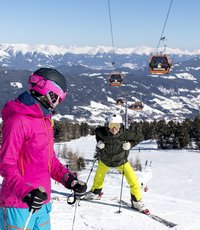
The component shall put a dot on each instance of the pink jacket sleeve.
(58, 170)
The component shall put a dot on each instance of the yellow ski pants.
(129, 174)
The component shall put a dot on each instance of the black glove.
(97, 154)
(76, 185)
(35, 199)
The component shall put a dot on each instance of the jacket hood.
(29, 107)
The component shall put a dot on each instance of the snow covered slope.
(173, 182)
(173, 192)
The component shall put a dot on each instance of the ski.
(125, 204)
(152, 216)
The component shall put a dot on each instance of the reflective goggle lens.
(114, 125)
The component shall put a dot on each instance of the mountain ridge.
(57, 50)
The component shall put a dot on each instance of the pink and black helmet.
(48, 82)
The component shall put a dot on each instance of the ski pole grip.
(42, 189)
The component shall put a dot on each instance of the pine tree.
(196, 131)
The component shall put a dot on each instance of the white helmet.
(115, 118)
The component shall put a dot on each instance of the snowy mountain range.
(172, 96)
(23, 56)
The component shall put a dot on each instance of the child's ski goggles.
(114, 125)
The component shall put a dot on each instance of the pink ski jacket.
(27, 157)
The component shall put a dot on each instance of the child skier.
(113, 144)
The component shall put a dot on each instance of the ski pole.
(94, 161)
(77, 202)
(76, 205)
(122, 182)
(32, 210)
(28, 219)
(73, 194)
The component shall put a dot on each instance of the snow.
(51, 50)
(16, 84)
(186, 76)
(111, 100)
(96, 105)
(80, 146)
(168, 103)
(58, 117)
(130, 65)
(173, 191)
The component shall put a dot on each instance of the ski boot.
(139, 206)
(92, 196)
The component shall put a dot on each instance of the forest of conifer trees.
(169, 135)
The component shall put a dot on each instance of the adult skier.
(113, 145)
(27, 158)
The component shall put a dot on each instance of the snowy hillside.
(173, 192)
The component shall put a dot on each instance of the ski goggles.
(44, 86)
(114, 125)
(56, 91)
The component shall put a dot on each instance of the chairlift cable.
(161, 37)
(111, 30)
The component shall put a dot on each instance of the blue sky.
(86, 22)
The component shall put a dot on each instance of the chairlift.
(137, 106)
(160, 64)
(120, 101)
(115, 79)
